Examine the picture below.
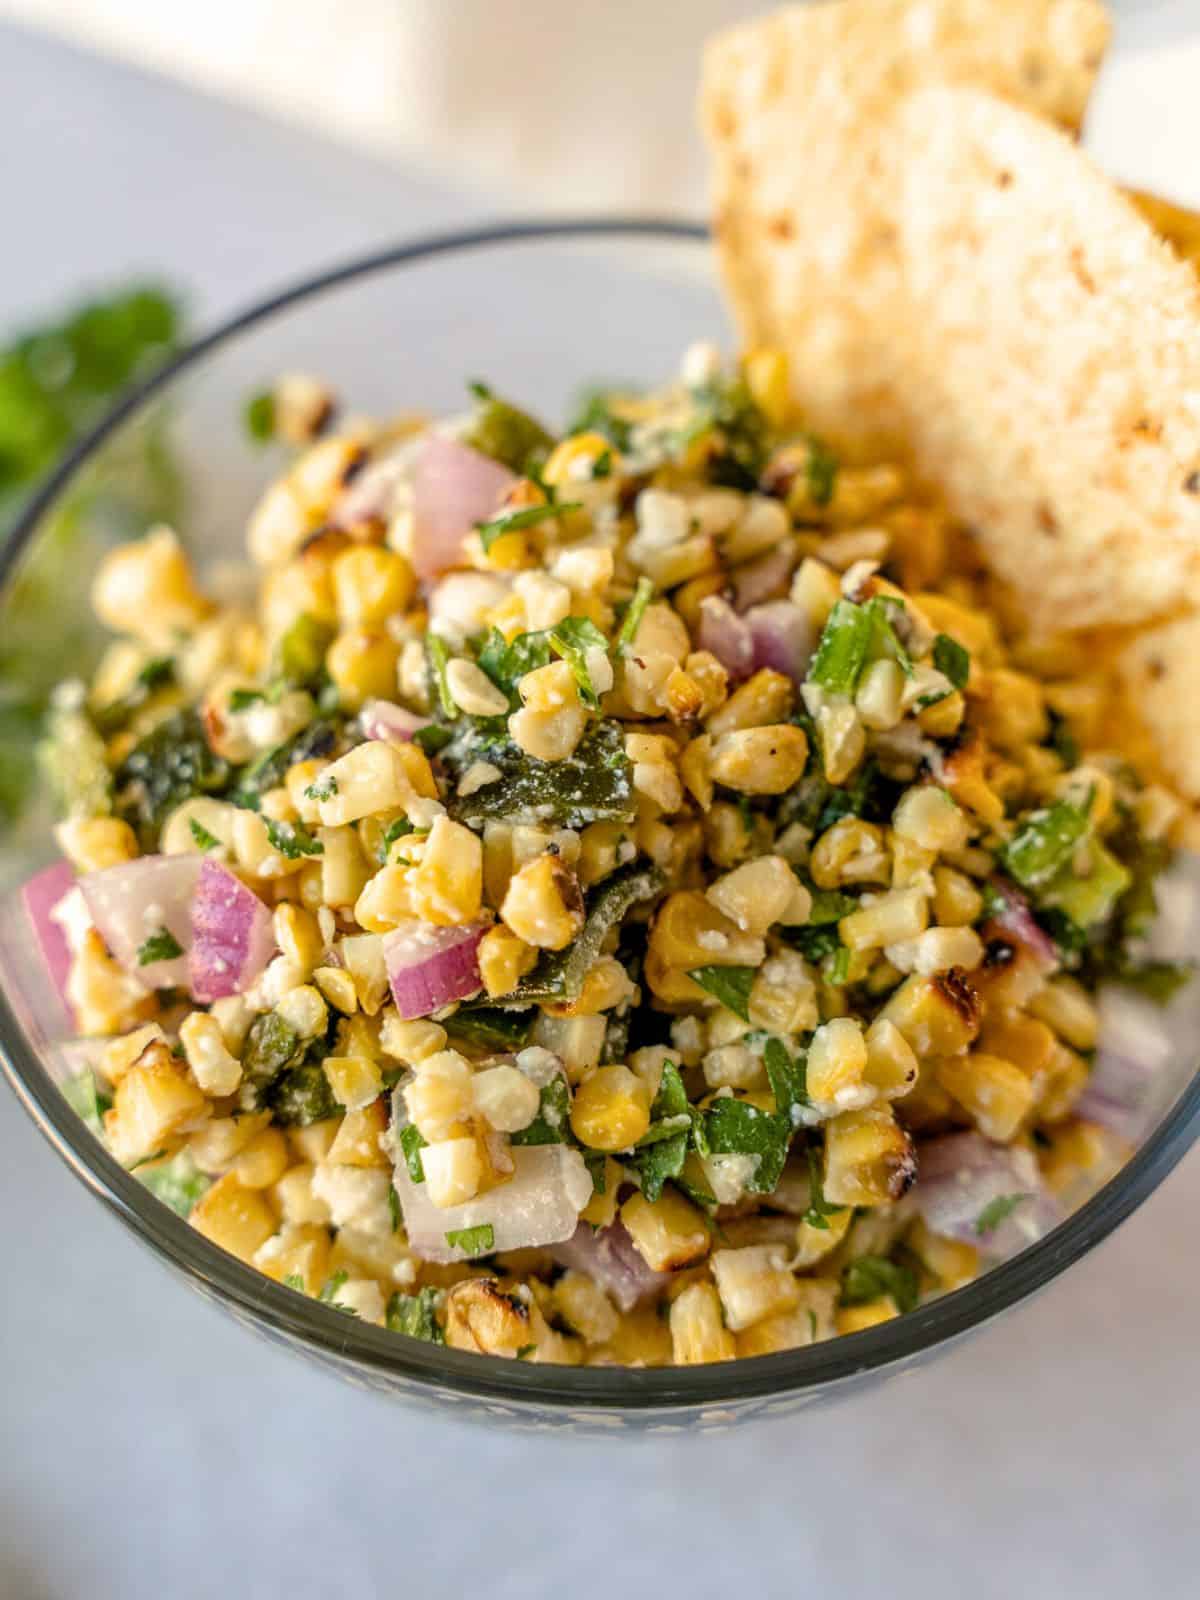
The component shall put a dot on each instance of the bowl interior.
(540, 313)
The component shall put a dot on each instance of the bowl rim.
(584, 1390)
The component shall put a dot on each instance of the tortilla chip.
(795, 107)
(1178, 226)
(1055, 342)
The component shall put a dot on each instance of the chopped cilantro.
(291, 840)
(258, 414)
(439, 660)
(432, 738)
(160, 946)
(322, 788)
(869, 1277)
(411, 1144)
(551, 1125)
(526, 1351)
(996, 1211)
(329, 1293)
(293, 1280)
(204, 839)
(243, 699)
(730, 985)
(735, 1127)
(819, 1210)
(523, 517)
(821, 473)
(1062, 741)
(416, 1315)
(787, 1077)
(634, 612)
(178, 1183)
(594, 414)
(951, 660)
(83, 1096)
(394, 1210)
(156, 674)
(572, 639)
(475, 1241)
(603, 465)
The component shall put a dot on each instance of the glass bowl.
(539, 309)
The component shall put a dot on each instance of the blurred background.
(163, 167)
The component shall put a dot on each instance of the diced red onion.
(132, 902)
(430, 967)
(381, 719)
(763, 579)
(39, 896)
(454, 487)
(1017, 920)
(611, 1259)
(539, 1205)
(727, 636)
(232, 937)
(782, 637)
(959, 1177)
(1134, 1051)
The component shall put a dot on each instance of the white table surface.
(149, 1447)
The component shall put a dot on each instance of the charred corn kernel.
(503, 960)
(253, 851)
(910, 863)
(689, 932)
(766, 374)
(410, 1042)
(357, 1141)
(756, 894)
(611, 1109)
(1065, 1005)
(300, 777)
(124, 1051)
(929, 817)
(278, 525)
(215, 1143)
(214, 817)
(297, 1251)
(92, 843)
(237, 1219)
(439, 1097)
(601, 1209)
(949, 1262)
(654, 773)
(997, 1095)
(215, 1070)
(1019, 1038)
(808, 1322)
(453, 1171)
(548, 735)
(964, 776)
(606, 985)
(304, 1011)
(850, 852)
(698, 1334)
(447, 885)
(362, 664)
(898, 915)
(146, 588)
(668, 1232)
(338, 988)
(505, 1097)
(599, 851)
(841, 739)
(344, 868)
(760, 760)
(314, 1142)
(753, 1283)
(973, 629)
(364, 964)
(1082, 1156)
(1061, 1084)
(585, 1307)
(103, 998)
(298, 936)
(816, 590)
(868, 1158)
(152, 1104)
(473, 691)
(891, 1068)
(763, 700)
(812, 1244)
(293, 1194)
(354, 1080)
(481, 1318)
(372, 777)
(878, 698)
(853, 1319)
(956, 901)
(387, 900)
(572, 460)
(937, 950)
(543, 905)
(263, 1161)
(1013, 709)
(939, 1016)
(370, 584)
(695, 770)
(837, 1062)
(783, 997)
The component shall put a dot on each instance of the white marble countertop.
(151, 1447)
